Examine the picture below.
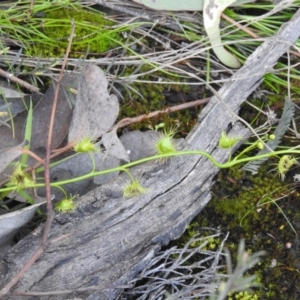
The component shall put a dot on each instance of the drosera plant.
(169, 155)
(165, 142)
(20, 179)
(165, 147)
(66, 205)
(285, 163)
(134, 188)
(227, 142)
(85, 145)
(166, 152)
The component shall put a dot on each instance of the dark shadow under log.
(109, 239)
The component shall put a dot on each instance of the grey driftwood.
(109, 240)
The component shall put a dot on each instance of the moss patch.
(143, 98)
(244, 205)
(93, 33)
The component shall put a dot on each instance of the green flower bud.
(260, 145)
(272, 137)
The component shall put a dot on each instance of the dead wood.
(109, 239)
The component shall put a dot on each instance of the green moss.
(145, 97)
(242, 204)
(245, 295)
(192, 231)
(245, 199)
(93, 33)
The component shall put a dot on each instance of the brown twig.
(33, 155)
(21, 82)
(50, 215)
(129, 121)
(48, 149)
(241, 27)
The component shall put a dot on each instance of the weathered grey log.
(108, 240)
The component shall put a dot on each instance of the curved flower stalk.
(285, 163)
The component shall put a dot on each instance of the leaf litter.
(94, 114)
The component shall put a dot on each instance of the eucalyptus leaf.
(173, 5)
(42, 114)
(95, 109)
(8, 155)
(114, 147)
(10, 223)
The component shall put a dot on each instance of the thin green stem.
(124, 168)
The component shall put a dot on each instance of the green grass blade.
(27, 136)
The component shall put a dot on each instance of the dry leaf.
(114, 147)
(95, 110)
